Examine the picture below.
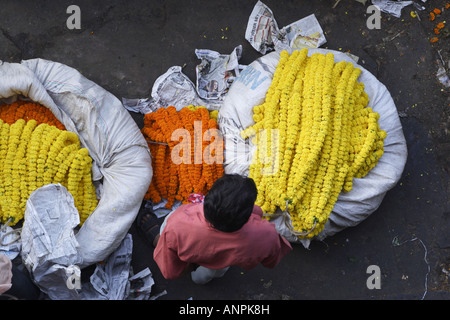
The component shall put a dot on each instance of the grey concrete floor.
(125, 45)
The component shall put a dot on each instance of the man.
(226, 230)
(14, 283)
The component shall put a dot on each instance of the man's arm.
(166, 257)
(279, 250)
(278, 247)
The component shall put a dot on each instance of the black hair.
(229, 203)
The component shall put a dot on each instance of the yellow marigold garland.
(314, 135)
(33, 155)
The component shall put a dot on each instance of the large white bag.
(121, 167)
(250, 88)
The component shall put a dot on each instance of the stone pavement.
(125, 45)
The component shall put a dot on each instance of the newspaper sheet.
(264, 35)
(173, 88)
(216, 72)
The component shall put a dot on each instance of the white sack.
(121, 166)
(351, 208)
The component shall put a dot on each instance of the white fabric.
(203, 275)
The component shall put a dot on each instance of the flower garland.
(32, 155)
(314, 134)
(21, 109)
(438, 28)
(176, 180)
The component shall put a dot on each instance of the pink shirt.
(189, 238)
(5, 273)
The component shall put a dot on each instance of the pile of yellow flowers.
(33, 155)
(213, 114)
(314, 133)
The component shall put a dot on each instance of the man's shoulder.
(186, 214)
(256, 223)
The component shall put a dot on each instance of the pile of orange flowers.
(433, 15)
(179, 167)
(20, 109)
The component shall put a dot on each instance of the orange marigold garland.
(435, 14)
(189, 173)
(21, 109)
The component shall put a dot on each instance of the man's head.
(229, 203)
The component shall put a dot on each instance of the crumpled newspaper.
(159, 208)
(50, 252)
(395, 7)
(174, 88)
(264, 35)
(442, 76)
(216, 72)
(10, 243)
(113, 279)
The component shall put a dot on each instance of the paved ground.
(125, 45)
